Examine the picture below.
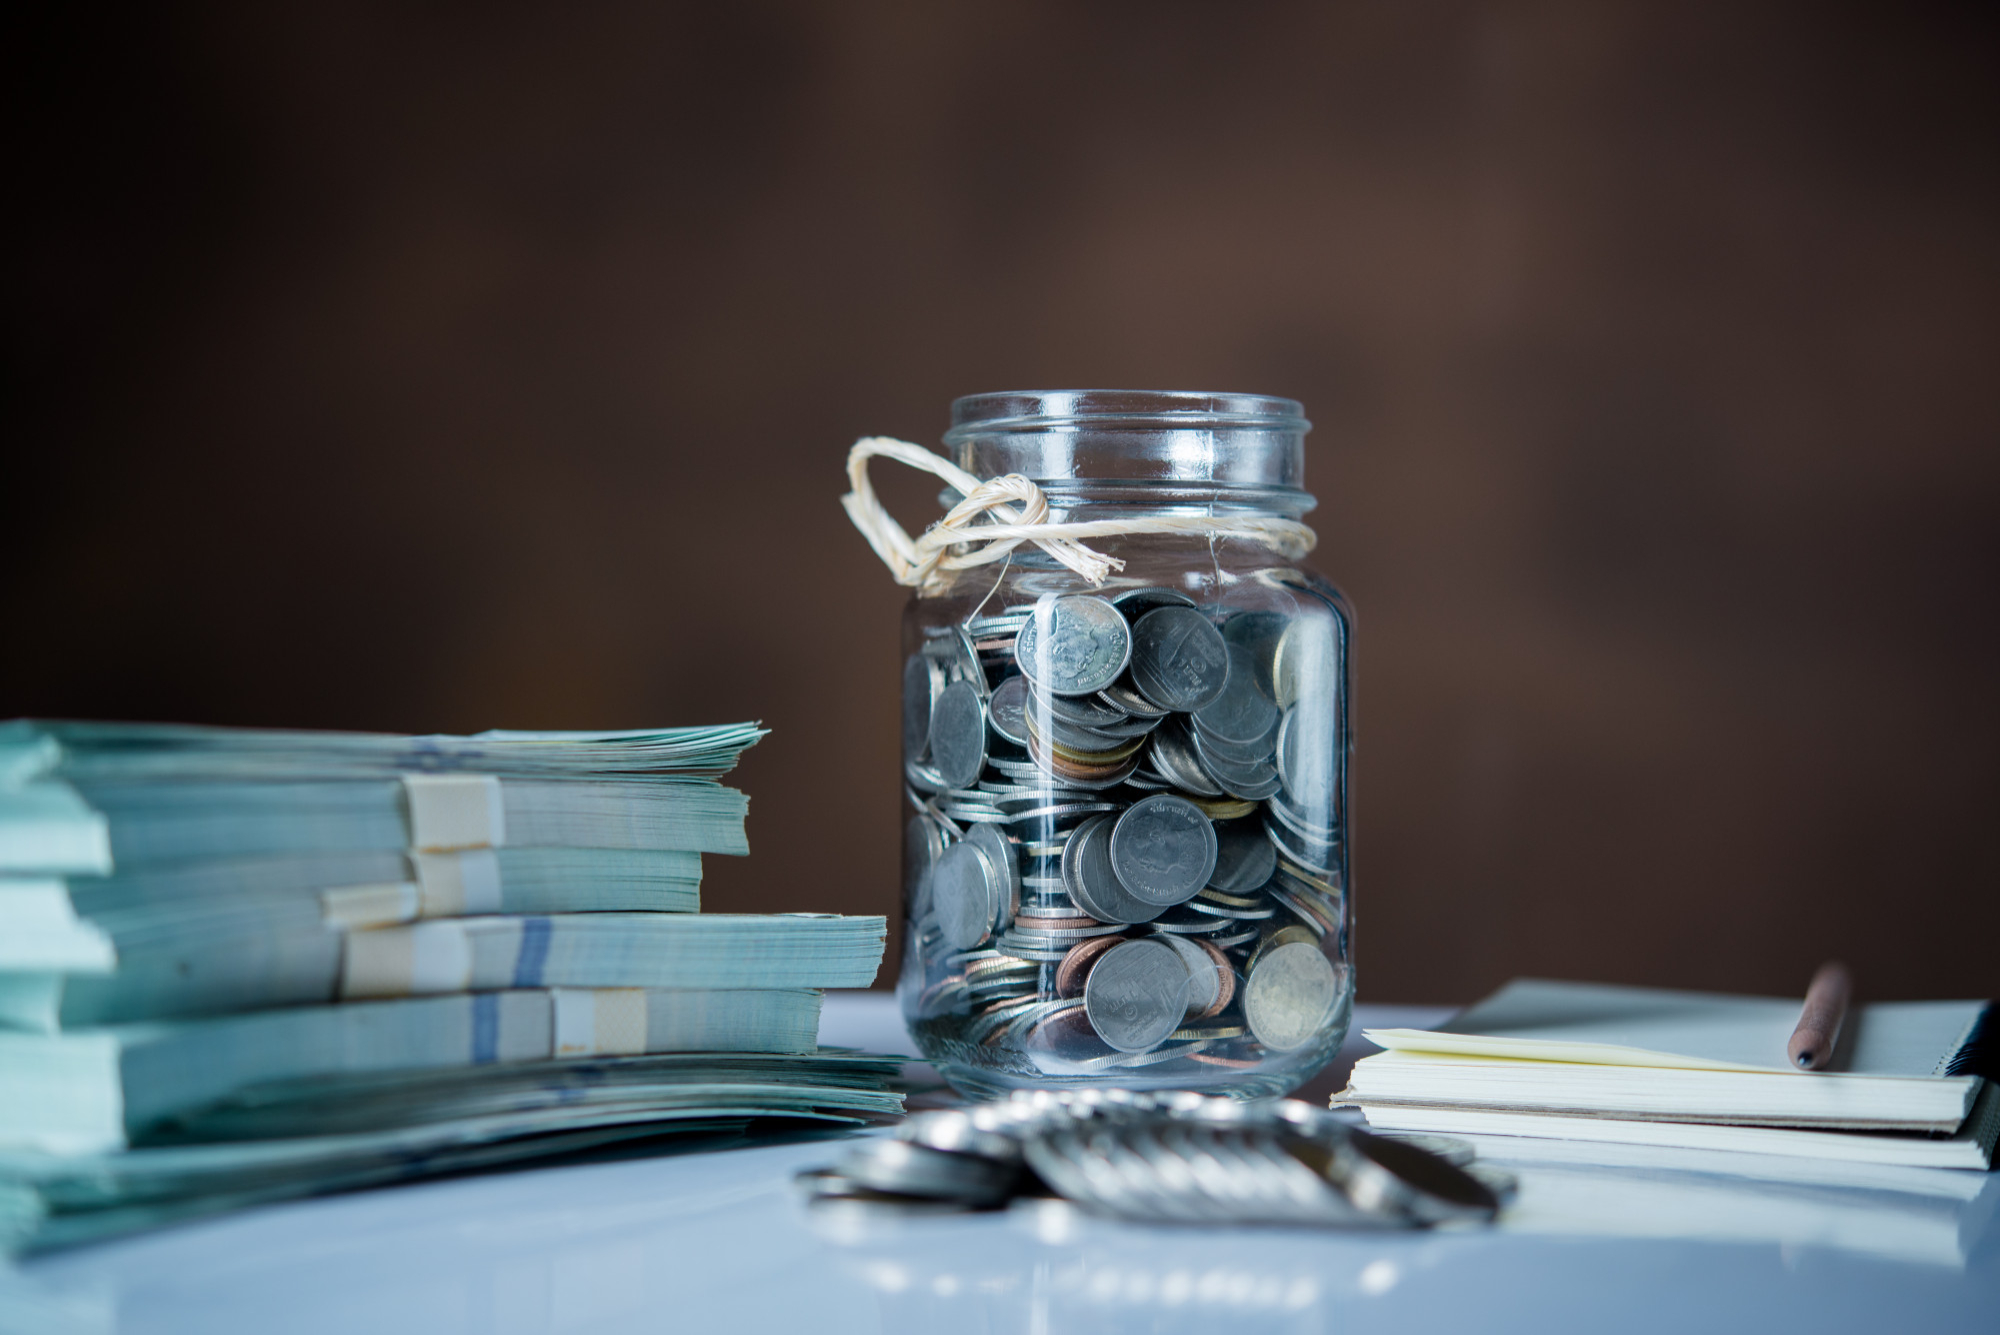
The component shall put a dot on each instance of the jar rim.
(1046, 409)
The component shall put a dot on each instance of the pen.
(1819, 1020)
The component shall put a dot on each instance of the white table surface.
(720, 1241)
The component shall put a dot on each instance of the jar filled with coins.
(1126, 840)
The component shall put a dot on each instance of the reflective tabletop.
(721, 1240)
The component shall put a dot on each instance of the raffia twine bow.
(987, 525)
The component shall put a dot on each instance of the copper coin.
(1067, 1037)
(1075, 967)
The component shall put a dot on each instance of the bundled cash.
(238, 965)
(304, 1137)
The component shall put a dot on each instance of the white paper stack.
(1626, 1066)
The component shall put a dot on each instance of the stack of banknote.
(237, 965)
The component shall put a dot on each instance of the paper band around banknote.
(986, 526)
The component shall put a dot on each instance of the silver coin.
(1089, 711)
(1135, 603)
(961, 1131)
(1262, 751)
(1204, 986)
(965, 896)
(1179, 660)
(1059, 811)
(1136, 995)
(922, 777)
(1241, 713)
(1092, 884)
(1020, 770)
(1172, 755)
(1005, 708)
(1318, 864)
(958, 735)
(1244, 858)
(905, 1169)
(1210, 909)
(1258, 634)
(1163, 849)
(1306, 661)
(1252, 782)
(1306, 753)
(1216, 931)
(999, 851)
(1316, 827)
(1309, 913)
(1120, 694)
(923, 683)
(1288, 995)
(1075, 644)
(923, 845)
(954, 650)
(1131, 728)
(1075, 737)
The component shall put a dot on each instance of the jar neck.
(1079, 500)
(1191, 448)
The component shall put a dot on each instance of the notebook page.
(1545, 1020)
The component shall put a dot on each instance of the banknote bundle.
(238, 964)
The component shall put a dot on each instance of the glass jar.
(1125, 860)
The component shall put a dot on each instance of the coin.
(1258, 634)
(1210, 908)
(1136, 995)
(1093, 886)
(1306, 661)
(1004, 710)
(1179, 660)
(964, 896)
(1225, 976)
(1310, 911)
(923, 845)
(1081, 745)
(1287, 995)
(901, 1168)
(1244, 858)
(1163, 849)
(1135, 603)
(1252, 783)
(1075, 966)
(1079, 775)
(1315, 858)
(1262, 751)
(958, 735)
(1075, 644)
(1121, 695)
(953, 648)
(1241, 712)
(1172, 754)
(923, 682)
(1088, 711)
(1203, 985)
(1065, 1038)
(999, 850)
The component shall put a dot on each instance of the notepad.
(1645, 1054)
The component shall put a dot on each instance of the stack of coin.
(1176, 1159)
(1125, 846)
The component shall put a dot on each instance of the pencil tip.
(1805, 1059)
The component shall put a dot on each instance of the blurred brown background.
(429, 368)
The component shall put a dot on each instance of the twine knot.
(1001, 513)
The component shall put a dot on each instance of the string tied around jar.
(1001, 513)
